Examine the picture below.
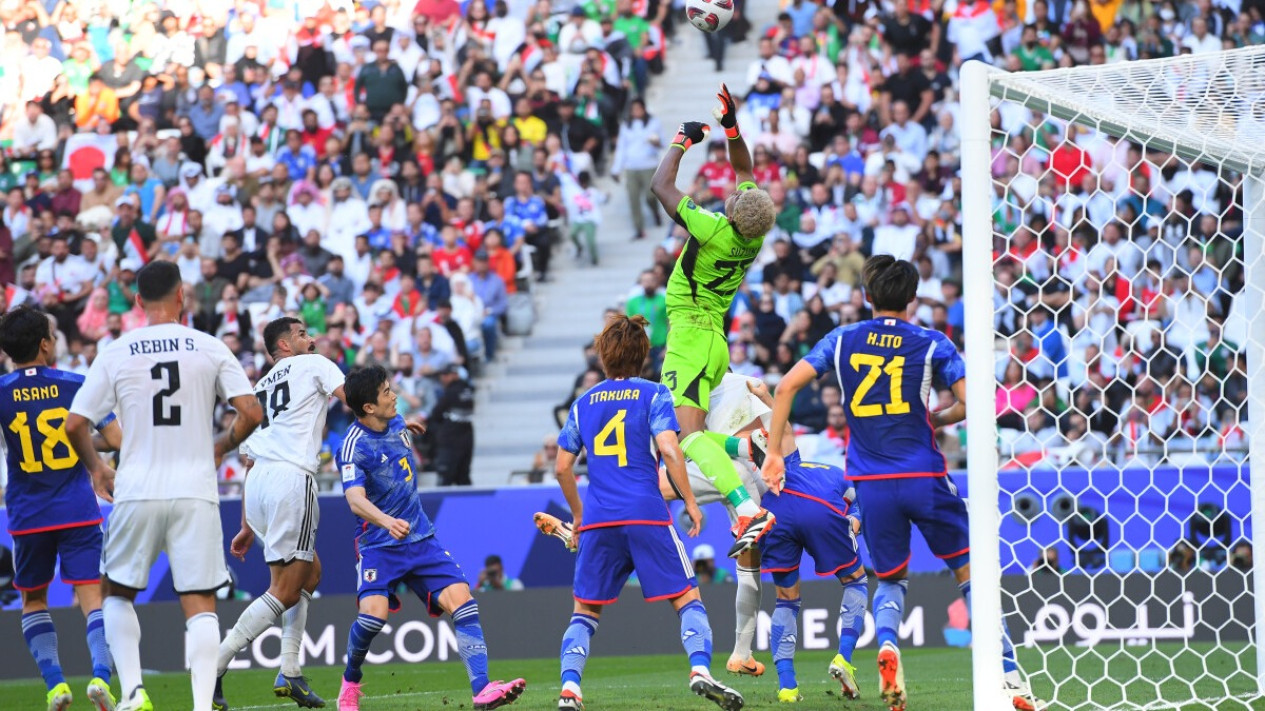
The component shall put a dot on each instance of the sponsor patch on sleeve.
(349, 473)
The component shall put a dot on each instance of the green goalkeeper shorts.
(696, 360)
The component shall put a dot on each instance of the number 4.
(603, 447)
(895, 371)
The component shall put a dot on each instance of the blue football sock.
(474, 651)
(783, 637)
(852, 616)
(1008, 661)
(696, 634)
(363, 630)
(575, 646)
(889, 609)
(97, 647)
(41, 639)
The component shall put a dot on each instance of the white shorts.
(188, 530)
(705, 491)
(282, 510)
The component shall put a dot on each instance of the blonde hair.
(753, 213)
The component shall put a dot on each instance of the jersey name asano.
(294, 397)
(886, 368)
(712, 265)
(384, 465)
(617, 422)
(163, 381)
(48, 488)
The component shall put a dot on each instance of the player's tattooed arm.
(364, 508)
(956, 412)
(249, 415)
(564, 469)
(674, 460)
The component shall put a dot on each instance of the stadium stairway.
(516, 394)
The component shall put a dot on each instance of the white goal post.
(1148, 637)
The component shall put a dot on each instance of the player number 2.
(165, 416)
(54, 435)
(895, 371)
(614, 429)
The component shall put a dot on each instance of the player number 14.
(614, 429)
(895, 371)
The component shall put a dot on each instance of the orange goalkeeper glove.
(727, 113)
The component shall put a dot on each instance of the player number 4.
(895, 371)
(54, 435)
(614, 429)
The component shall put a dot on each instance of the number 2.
(602, 445)
(895, 371)
(53, 436)
(164, 416)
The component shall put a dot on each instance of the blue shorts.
(808, 524)
(610, 554)
(930, 503)
(424, 566)
(35, 557)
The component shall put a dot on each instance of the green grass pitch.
(939, 680)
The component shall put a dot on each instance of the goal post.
(1150, 605)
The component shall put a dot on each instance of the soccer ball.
(709, 15)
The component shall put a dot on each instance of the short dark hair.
(157, 280)
(21, 332)
(361, 387)
(891, 283)
(276, 329)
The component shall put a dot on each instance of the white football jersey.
(295, 399)
(731, 406)
(162, 382)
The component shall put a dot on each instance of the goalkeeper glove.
(690, 133)
(727, 113)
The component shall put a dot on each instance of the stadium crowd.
(396, 173)
(1116, 266)
(399, 174)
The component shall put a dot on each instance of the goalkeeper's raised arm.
(726, 114)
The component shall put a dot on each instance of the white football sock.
(747, 606)
(744, 447)
(123, 635)
(293, 625)
(201, 639)
(747, 508)
(254, 621)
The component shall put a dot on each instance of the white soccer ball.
(709, 15)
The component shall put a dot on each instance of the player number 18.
(895, 371)
(53, 436)
(614, 429)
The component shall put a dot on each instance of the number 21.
(895, 371)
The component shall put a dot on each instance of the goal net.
(1114, 331)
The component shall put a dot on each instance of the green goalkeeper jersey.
(711, 267)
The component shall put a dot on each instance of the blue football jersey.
(383, 463)
(886, 367)
(617, 421)
(48, 486)
(823, 483)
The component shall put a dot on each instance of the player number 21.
(895, 371)
(53, 436)
(614, 429)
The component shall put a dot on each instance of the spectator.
(451, 419)
(704, 558)
(493, 576)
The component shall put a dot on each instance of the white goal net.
(1113, 283)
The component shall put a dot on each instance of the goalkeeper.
(712, 265)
